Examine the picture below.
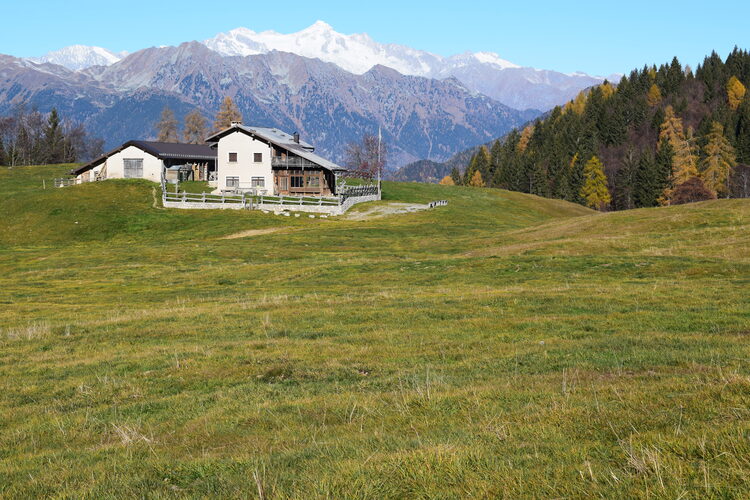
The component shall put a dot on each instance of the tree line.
(34, 138)
(663, 135)
(195, 128)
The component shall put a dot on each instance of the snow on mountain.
(78, 57)
(480, 57)
(484, 72)
(356, 53)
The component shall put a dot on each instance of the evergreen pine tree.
(496, 162)
(594, 191)
(53, 141)
(470, 169)
(484, 162)
(456, 176)
(575, 178)
(742, 133)
(650, 179)
(625, 181)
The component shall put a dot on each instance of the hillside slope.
(503, 346)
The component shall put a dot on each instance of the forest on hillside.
(661, 136)
(34, 138)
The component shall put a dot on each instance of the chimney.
(296, 137)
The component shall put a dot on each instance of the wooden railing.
(248, 200)
(206, 198)
(298, 200)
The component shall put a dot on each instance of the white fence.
(338, 205)
(246, 201)
(63, 182)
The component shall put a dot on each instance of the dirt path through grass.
(251, 232)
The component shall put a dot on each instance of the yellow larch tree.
(684, 161)
(523, 142)
(719, 160)
(594, 190)
(577, 105)
(227, 114)
(607, 89)
(447, 181)
(735, 92)
(654, 95)
(476, 180)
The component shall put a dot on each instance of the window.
(298, 181)
(258, 157)
(232, 157)
(313, 181)
(258, 182)
(133, 168)
(283, 183)
(233, 182)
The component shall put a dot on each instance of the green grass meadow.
(503, 346)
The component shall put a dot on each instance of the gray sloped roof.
(283, 140)
(162, 150)
(176, 150)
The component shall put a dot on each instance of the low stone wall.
(198, 205)
(312, 209)
(319, 209)
(349, 202)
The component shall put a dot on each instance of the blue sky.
(598, 37)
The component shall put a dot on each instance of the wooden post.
(44, 184)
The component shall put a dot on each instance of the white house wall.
(151, 164)
(245, 168)
(115, 165)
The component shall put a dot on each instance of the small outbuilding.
(148, 159)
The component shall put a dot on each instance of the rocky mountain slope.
(78, 57)
(484, 72)
(420, 117)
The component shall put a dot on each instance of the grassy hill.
(504, 345)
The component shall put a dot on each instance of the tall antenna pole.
(380, 138)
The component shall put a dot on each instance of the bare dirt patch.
(377, 211)
(251, 232)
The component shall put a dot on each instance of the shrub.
(690, 191)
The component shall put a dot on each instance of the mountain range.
(330, 87)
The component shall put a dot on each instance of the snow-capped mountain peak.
(78, 57)
(484, 72)
(356, 53)
(494, 59)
